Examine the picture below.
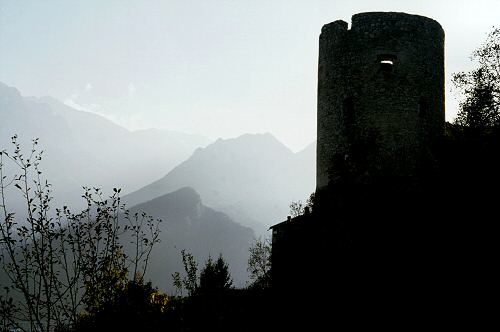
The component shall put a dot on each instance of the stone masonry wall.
(396, 109)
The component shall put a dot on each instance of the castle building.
(380, 114)
(380, 89)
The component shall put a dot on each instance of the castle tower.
(380, 94)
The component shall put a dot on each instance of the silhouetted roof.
(294, 220)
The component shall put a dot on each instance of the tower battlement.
(383, 22)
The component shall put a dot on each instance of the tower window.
(386, 61)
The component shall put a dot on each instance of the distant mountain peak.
(253, 178)
(186, 194)
(189, 224)
(255, 143)
(87, 149)
(9, 92)
(183, 199)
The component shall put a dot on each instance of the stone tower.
(380, 94)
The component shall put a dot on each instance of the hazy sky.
(217, 68)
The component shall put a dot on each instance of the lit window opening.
(386, 61)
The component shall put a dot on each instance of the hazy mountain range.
(250, 179)
(82, 148)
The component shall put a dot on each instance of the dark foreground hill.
(190, 225)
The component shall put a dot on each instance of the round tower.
(380, 95)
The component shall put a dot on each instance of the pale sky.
(216, 68)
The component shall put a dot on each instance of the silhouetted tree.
(259, 264)
(481, 87)
(190, 280)
(58, 263)
(471, 156)
(215, 276)
(137, 306)
(298, 208)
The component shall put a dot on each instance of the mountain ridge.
(86, 149)
(253, 178)
(187, 224)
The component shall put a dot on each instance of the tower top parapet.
(381, 21)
